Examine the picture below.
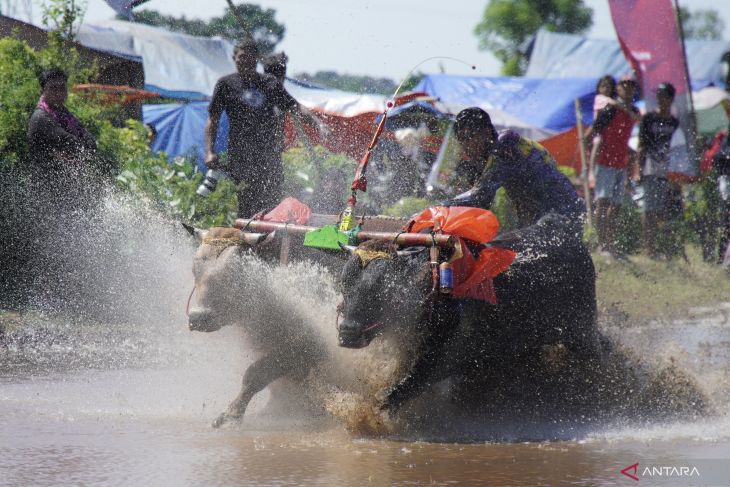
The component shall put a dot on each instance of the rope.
(340, 309)
(187, 306)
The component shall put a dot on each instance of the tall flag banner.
(124, 7)
(650, 39)
(649, 36)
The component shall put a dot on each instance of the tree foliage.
(349, 82)
(266, 31)
(507, 25)
(63, 17)
(701, 24)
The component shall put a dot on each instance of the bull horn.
(407, 253)
(350, 249)
(269, 238)
(253, 239)
(195, 232)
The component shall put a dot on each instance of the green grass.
(642, 288)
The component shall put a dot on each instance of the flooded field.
(131, 403)
(147, 422)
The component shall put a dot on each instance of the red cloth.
(291, 210)
(472, 276)
(615, 141)
(706, 163)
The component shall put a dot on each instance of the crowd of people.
(614, 166)
(256, 104)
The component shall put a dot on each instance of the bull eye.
(350, 272)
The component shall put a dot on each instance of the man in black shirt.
(251, 99)
(655, 136)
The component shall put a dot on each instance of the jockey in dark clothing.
(524, 168)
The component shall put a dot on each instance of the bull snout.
(353, 335)
(203, 319)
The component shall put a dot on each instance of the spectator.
(655, 135)
(610, 159)
(65, 188)
(605, 94)
(275, 65)
(331, 193)
(254, 147)
(523, 167)
(721, 170)
(60, 148)
(151, 133)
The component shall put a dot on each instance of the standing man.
(250, 100)
(655, 135)
(614, 124)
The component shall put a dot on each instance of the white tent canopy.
(176, 65)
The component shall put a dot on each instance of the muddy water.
(139, 415)
(131, 404)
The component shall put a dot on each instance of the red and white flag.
(649, 36)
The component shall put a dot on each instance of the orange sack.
(472, 276)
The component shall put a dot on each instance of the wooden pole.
(400, 238)
(583, 163)
(244, 25)
(693, 145)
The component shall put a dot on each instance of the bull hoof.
(204, 327)
(389, 409)
(226, 418)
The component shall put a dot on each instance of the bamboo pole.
(693, 143)
(400, 238)
(583, 163)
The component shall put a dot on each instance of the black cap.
(667, 89)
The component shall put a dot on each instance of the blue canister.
(446, 278)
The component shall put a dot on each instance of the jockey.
(523, 167)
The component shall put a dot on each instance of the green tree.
(701, 24)
(63, 17)
(350, 82)
(507, 25)
(266, 31)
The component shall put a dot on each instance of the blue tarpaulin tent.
(542, 103)
(180, 128)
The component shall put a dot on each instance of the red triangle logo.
(631, 471)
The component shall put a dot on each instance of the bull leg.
(429, 368)
(258, 375)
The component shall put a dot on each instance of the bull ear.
(350, 249)
(406, 253)
(195, 232)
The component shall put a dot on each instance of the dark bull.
(546, 298)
